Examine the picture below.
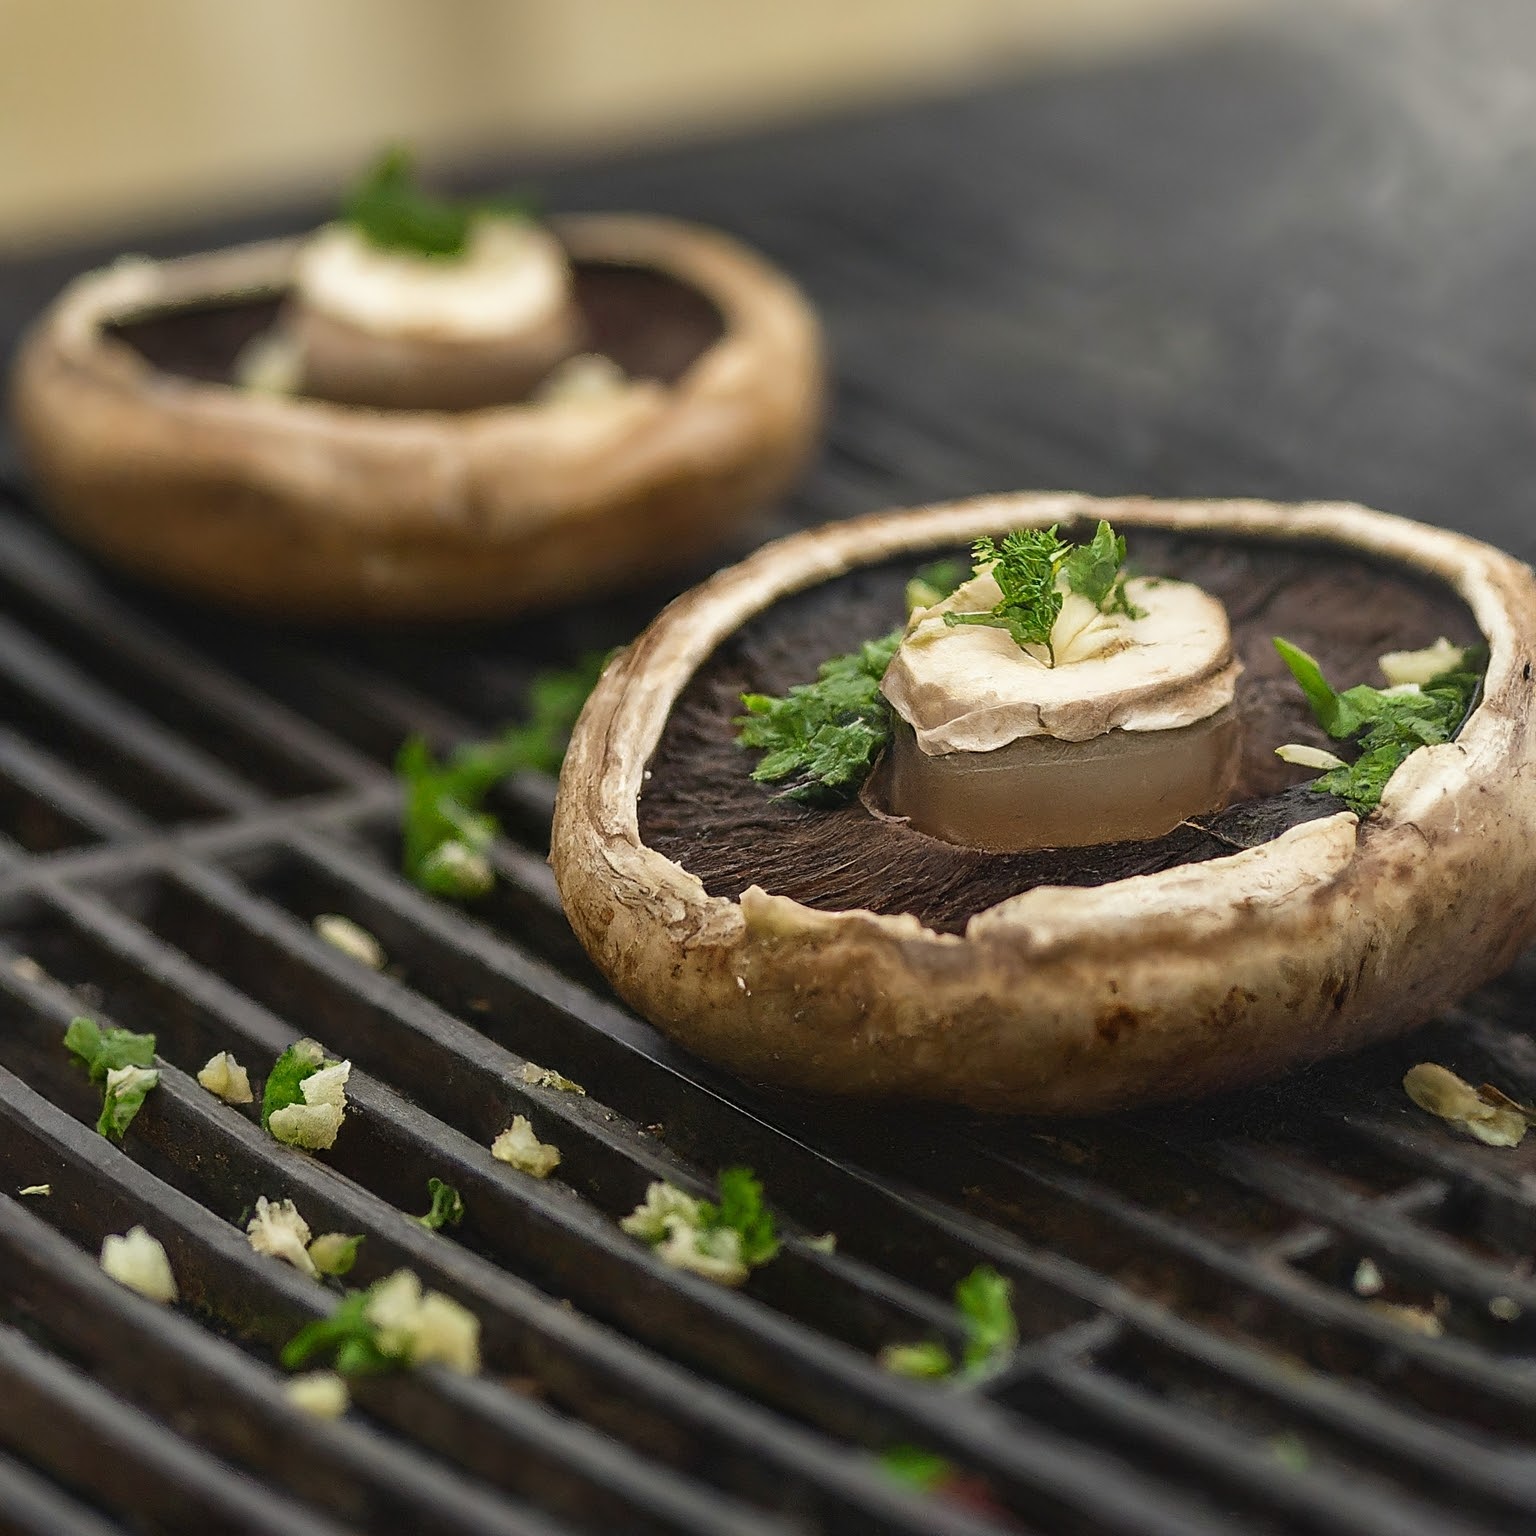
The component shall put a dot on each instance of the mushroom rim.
(746, 289)
(603, 777)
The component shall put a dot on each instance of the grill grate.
(181, 796)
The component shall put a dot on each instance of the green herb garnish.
(1035, 568)
(984, 1302)
(741, 1210)
(393, 1323)
(921, 1470)
(447, 1206)
(393, 213)
(348, 1332)
(1386, 725)
(122, 1062)
(823, 735)
(445, 834)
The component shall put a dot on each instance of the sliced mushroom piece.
(407, 332)
(145, 451)
(835, 952)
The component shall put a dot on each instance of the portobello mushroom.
(840, 951)
(146, 450)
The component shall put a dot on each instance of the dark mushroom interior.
(652, 325)
(701, 808)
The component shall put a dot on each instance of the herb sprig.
(445, 834)
(984, 1308)
(1386, 724)
(1035, 568)
(393, 213)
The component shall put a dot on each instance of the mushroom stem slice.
(1038, 792)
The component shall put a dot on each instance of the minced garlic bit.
(714, 1253)
(519, 1146)
(543, 1077)
(351, 939)
(1490, 1116)
(226, 1079)
(1368, 1280)
(1418, 667)
(278, 1229)
(1415, 1319)
(270, 364)
(138, 1261)
(1505, 1308)
(320, 1393)
(35, 1189)
(423, 1326)
(1303, 756)
(28, 969)
(588, 378)
(334, 1253)
(314, 1123)
(826, 1243)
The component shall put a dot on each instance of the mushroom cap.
(1072, 1000)
(312, 509)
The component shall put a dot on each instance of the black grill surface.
(1254, 267)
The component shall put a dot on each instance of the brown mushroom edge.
(836, 953)
(310, 509)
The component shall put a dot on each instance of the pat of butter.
(512, 276)
(972, 688)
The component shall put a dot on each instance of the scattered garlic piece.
(1490, 1116)
(544, 1077)
(321, 1393)
(270, 364)
(35, 1189)
(423, 1326)
(334, 1253)
(519, 1146)
(588, 378)
(278, 1229)
(138, 1261)
(1368, 1280)
(1304, 756)
(1424, 666)
(351, 939)
(226, 1079)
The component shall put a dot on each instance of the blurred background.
(115, 116)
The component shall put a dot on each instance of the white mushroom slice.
(391, 328)
(1119, 730)
(1424, 666)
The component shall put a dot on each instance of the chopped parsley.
(447, 1206)
(824, 736)
(1035, 568)
(984, 1302)
(1386, 725)
(393, 213)
(122, 1062)
(924, 1471)
(445, 833)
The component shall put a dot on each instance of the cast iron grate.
(179, 797)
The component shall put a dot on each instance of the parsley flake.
(1385, 724)
(122, 1062)
(393, 213)
(723, 1242)
(447, 1206)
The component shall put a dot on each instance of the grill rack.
(179, 797)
